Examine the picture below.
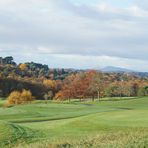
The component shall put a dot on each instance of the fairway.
(76, 124)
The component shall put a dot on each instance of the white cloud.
(60, 27)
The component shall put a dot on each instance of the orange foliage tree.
(82, 85)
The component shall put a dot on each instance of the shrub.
(26, 96)
(59, 96)
(17, 97)
(14, 98)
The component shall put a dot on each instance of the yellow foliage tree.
(50, 83)
(26, 96)
(14, 98)
(23, 67)
(17, 97)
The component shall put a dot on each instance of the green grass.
(2, 102)
(109, 123)
(12, 134)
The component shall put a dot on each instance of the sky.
(81, 34)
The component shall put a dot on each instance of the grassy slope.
(107, 123)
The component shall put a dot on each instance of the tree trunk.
(98, 95)
(80, 99)
(93, 98)
(69, 99)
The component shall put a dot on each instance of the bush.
(17, 97)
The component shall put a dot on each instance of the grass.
(107, 124)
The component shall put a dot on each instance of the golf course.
(119, 123)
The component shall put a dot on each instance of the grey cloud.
(59, 27)
(142, 3)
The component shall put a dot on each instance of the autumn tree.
(14, 98)
(59, 96)
(26, 96)
(82, 85)
(50, 83)
(96, 84)
(23, 67)
(17, 97)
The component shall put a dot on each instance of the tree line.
(62, 84)
(9, 68)
(93, 84)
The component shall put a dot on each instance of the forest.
(66, 84)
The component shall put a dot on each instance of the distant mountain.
(115, 69)
(112, 69)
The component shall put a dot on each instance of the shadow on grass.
(119, 99)
(64, 118)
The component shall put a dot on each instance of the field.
(106, 124)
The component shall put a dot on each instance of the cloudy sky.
(76, 33)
